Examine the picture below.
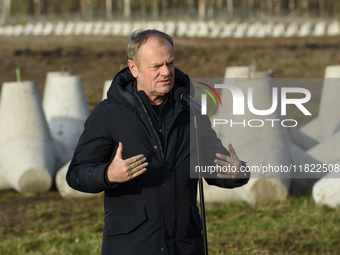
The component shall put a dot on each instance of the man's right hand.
(122, 170)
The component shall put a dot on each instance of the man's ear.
(133, 68)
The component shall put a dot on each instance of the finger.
(139, 168)
(134, 159)
(229, 159)
(232, 151)
(137, 163)
(138, 173)
(221, 162)
(223, 176)
(119, 151)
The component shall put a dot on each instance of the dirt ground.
(97, 59)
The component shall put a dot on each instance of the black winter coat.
(156, 212)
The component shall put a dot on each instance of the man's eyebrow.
(159, 64)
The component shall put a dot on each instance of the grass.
(46, 224)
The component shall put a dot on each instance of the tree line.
(161, 8)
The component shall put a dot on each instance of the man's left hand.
(232, 165)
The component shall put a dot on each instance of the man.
(136, 148)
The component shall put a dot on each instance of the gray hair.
(140, 37)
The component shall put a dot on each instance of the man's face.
(155, 68)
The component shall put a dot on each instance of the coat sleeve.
(93, 154)
(211, 145)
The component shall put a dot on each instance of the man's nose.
(165, 71)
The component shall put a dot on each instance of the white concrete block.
(228, 30)
(241, 30)
(202, 29)
(65, 190)
(117, 28)
(98, 28)
(88, 28)
(28, 30)
(265, 30)
(305, 29)
(292, 30)
(48, 29)
(333, 28)
(170, 27)
(107, 29)
(79, 28)
(24, 135)
(253, 29)
(237, 72)
(216, 30)
(302, 140)
(126, 28)
(38, 28)
(2, 30)
(9, 30)
(107, 85)
(327, 151)
(326, 191)
(279, 30)
(320, 29)
(60, 28)
(66, 111)
(192, 29)
(182, 28)
(18, 30)
(326, 123)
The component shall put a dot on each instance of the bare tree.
(201, 9)
(37, 7)
(108, 9)
(143, 8)
(127, 9)
(321, 7)
(291, 5)
(230, 7)
(155, 10)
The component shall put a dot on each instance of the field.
(47, 224)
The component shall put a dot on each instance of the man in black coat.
(136, 148)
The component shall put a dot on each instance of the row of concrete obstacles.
(317, 143)
(38, 138)
(177, 28)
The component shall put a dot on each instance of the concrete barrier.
(88, 28)
(253, 29)
(279, 30)
(265, 30)
(326, 191)
(48, 29)
(71, 29)
(28, 29)
(182, 28)
(107, 29)
(66, 111)
(26, 149)
(9, 30)
(170, 27)
(65, 190)
(228, 30)
(292, 30)
(106, 87)
(305, 29)
(117, 28)
(320, 29)
(241, 30)
(326, 123)
(18, 30)
(333, 28)
(38, 28)
(328, 150)
(98, 28)
(59, 28)
(79, 28)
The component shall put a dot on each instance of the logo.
(204, 97)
